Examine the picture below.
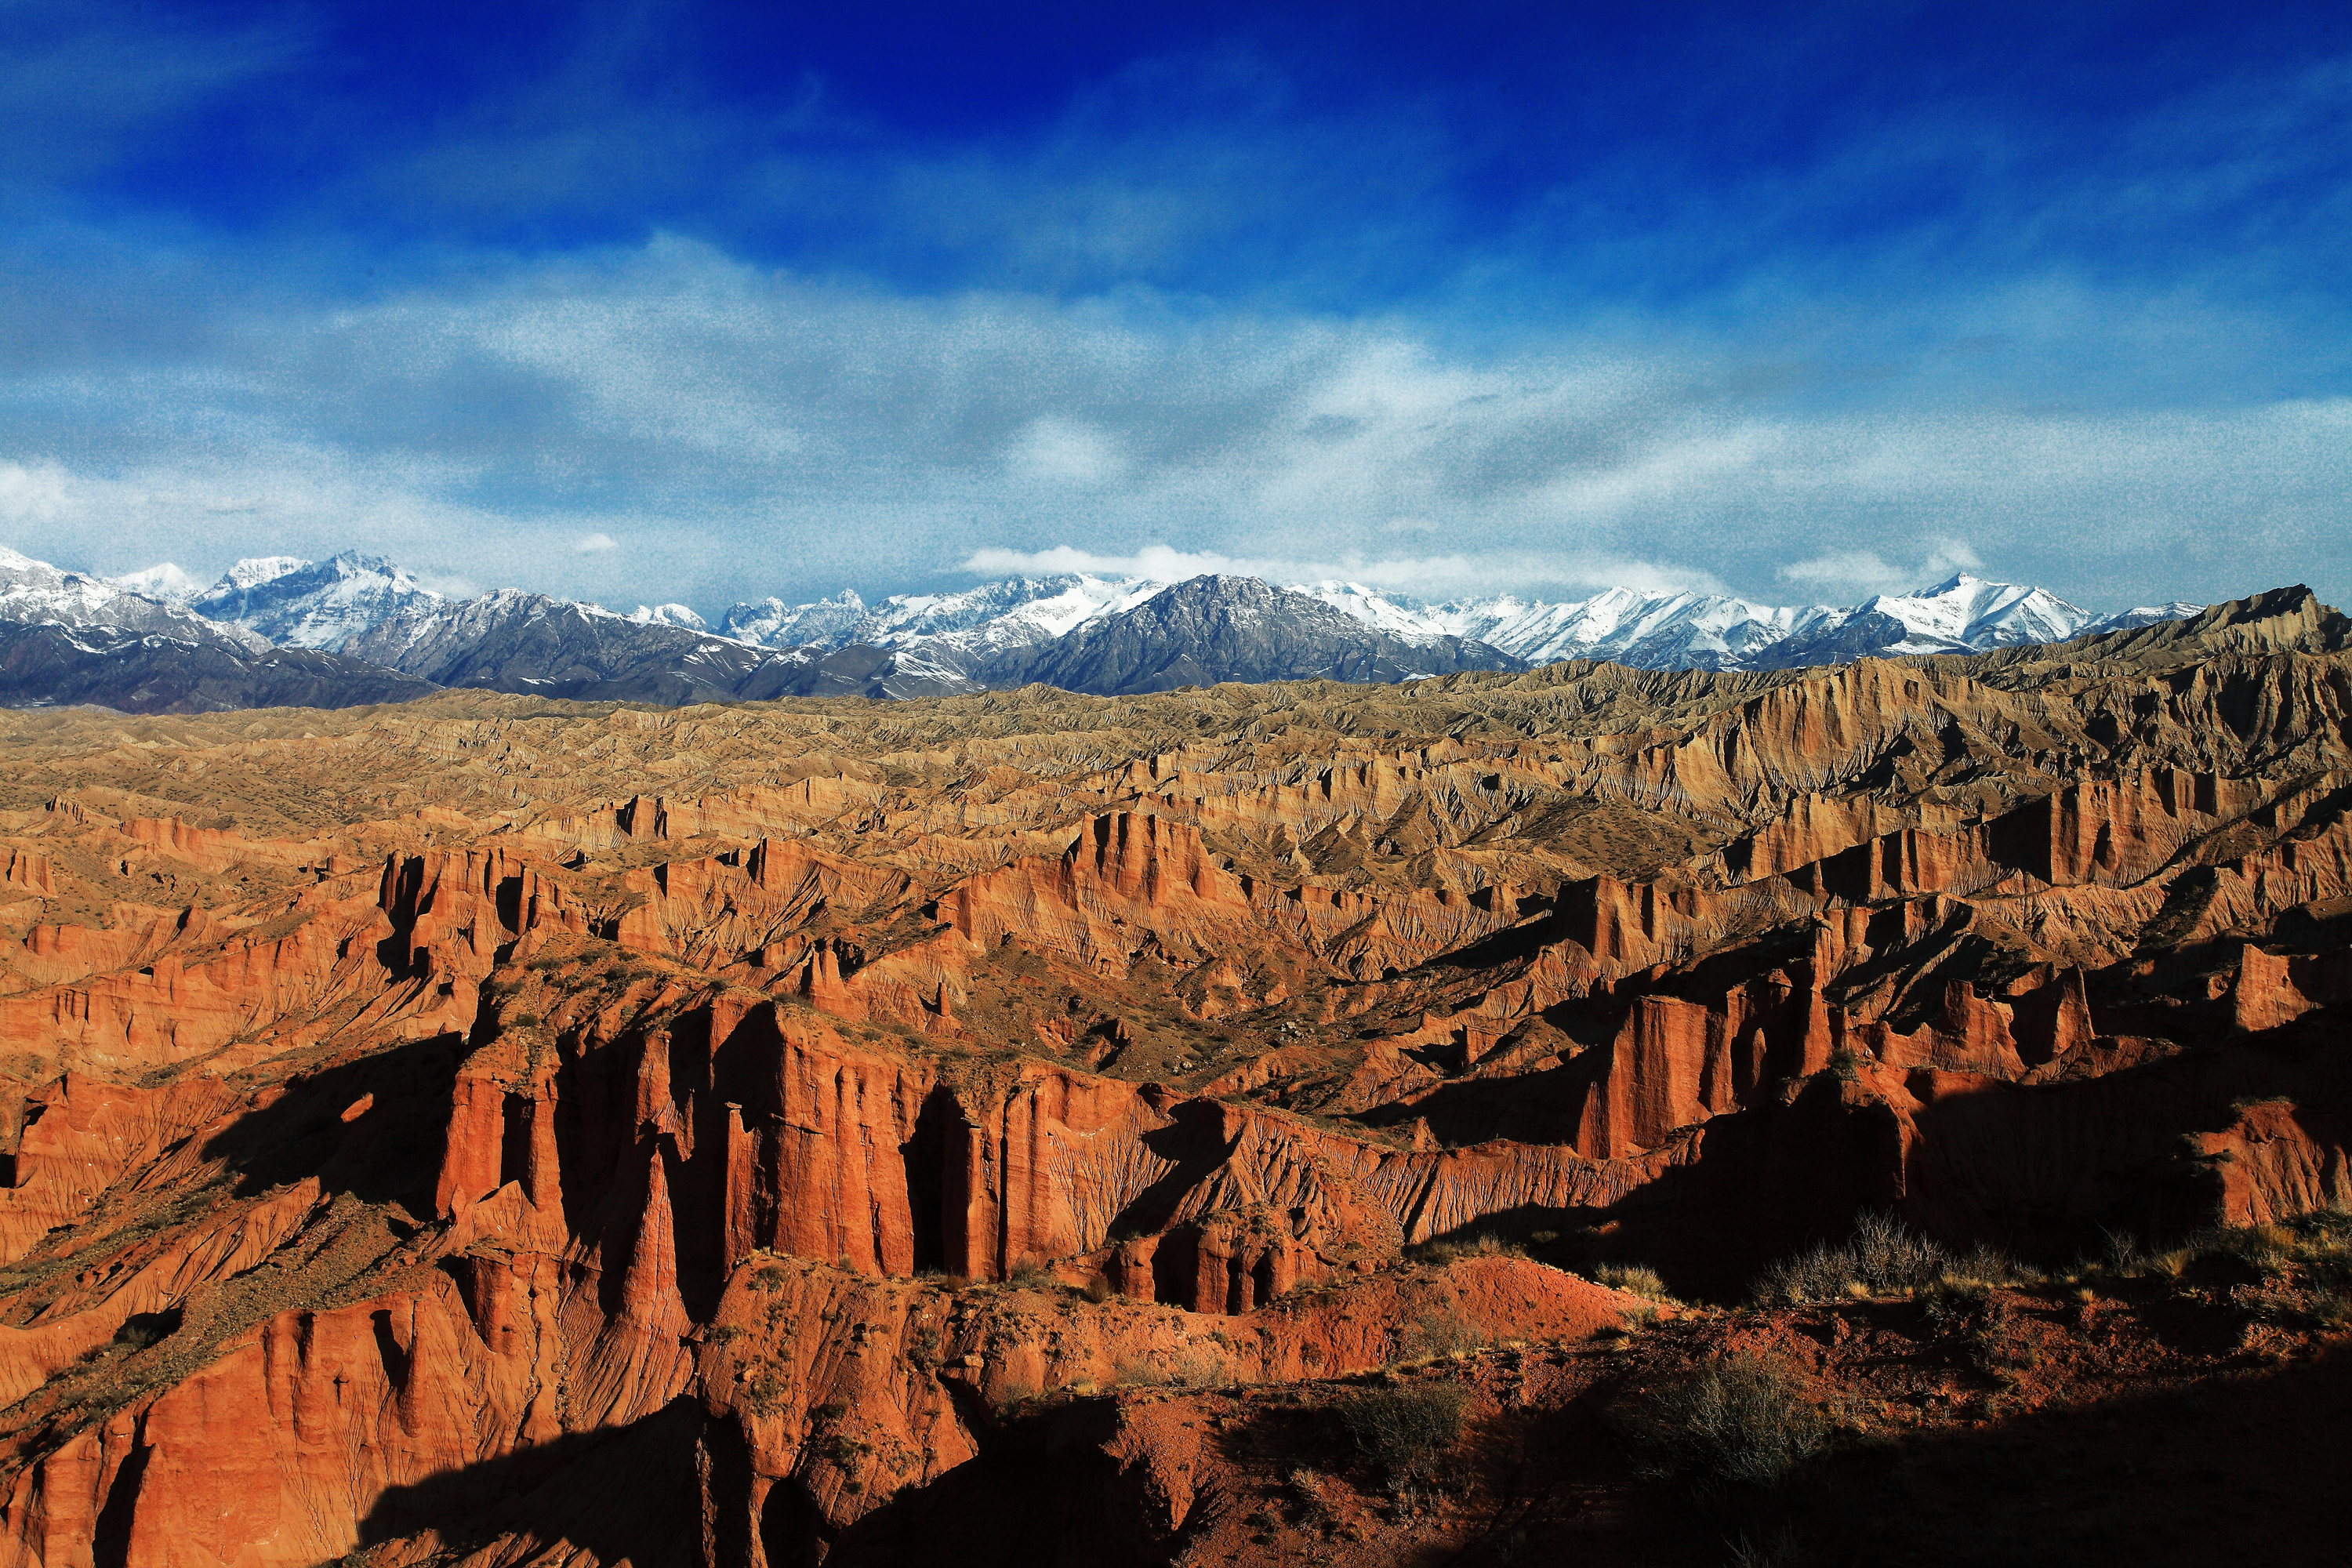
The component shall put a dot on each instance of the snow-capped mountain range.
(351, 615)
(1648, 631)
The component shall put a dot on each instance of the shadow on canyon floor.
(2248, 1467)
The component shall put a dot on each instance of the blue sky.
(642, 302)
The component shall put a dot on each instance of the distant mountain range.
(356, 630)
(1646, 631)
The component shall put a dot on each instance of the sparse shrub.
(1953, 1300)
(1485, 1244)
(1780, 1550)
(1881, 1256)
(767, 1391)
(1011, 1395)
(841, 1447)
(1740, 1422)
(2316, 1247)
(1406, 1430)
(2124, 1256)
(1634, 1279)
(1314, 1492)
(143, 1328)
(1999, 1350)
(1031, 1276)
(1097, 1289)
(1436, 1333)
(1138, 1374)
(1845, 1064)
(1199, 1367)
(2265, 1247)
(1985, 1266)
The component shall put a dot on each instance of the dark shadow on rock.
(389, 1150)
(2253, 1466)
(1194, 1144)
(633, 1492)
(1042, 1495)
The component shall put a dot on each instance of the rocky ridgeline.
(424, 1126)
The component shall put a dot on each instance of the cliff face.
(507, 1132)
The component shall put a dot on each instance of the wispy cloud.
(1421, 576)
(1865, 572)
(760, 435)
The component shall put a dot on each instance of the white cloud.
(776, 435)
(1862, 573)
(32, 495)
(1424, 576)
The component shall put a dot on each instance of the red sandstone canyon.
(1035, 1129)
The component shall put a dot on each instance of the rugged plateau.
(1298, 1123)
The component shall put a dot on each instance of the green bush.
(1740, 1422)
(1406, 1430)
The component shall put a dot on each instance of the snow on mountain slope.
(2142, 615)
(772, 623)
(255, 570)
(1039, 615)
(1398, 617)
(1677, 631)
(369, 607)
(164, 581)
(33, 592)
(1014, 613)
(1648, 630)
(329, 603)
(1972, 613)
(669, 615)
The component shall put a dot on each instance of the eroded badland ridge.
(1099, 1131)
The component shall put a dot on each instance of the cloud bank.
(611, 322)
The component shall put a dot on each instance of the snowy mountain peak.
(669, 615)
(35, 593)
(1969, 613)
(165, 580)
(255, 570)
(314, 603)
(1022, 609)
(1396, 617)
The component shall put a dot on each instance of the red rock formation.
(366, 1178)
